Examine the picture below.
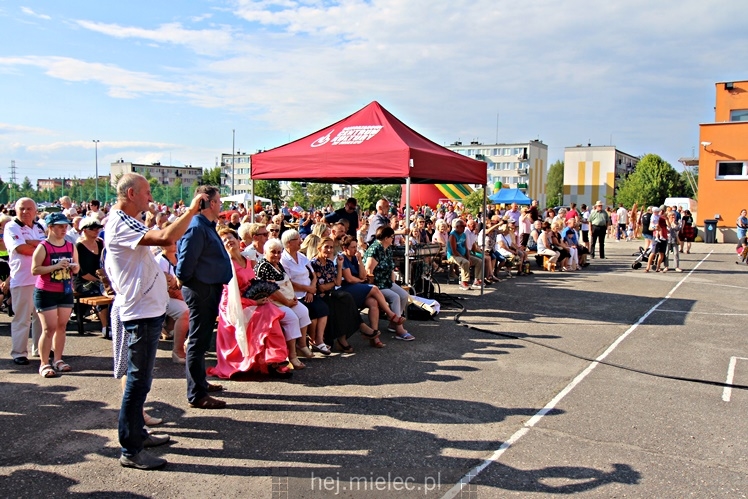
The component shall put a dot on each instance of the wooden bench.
(92, 301)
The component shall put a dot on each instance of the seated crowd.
(327, 265)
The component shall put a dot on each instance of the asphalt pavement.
(607, 382)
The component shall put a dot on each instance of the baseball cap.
(90, 223)
(56, 219)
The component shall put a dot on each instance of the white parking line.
(727, 391)
(692, 312)
(467, 478)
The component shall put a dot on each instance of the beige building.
(166, 175)
(591, 173)
(521, 166)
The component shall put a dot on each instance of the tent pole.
(252, 206)
(407, 229)
(485, 226)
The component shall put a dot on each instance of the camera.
(203, 204)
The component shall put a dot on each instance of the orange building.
(723, 159)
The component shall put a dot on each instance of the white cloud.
(204, 41)
(103, 145)
(8, 129)
(121, 82)
(30, 12)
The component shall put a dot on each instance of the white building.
(592, 173)
(521, 166)
(166, 175)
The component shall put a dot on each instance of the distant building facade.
(166, 175)
(593, 173)
(723, 159)
(522, 165)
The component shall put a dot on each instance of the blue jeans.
(141, 355)
(202, 300)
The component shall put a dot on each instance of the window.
(739, 115)
(732, 170)
(506, 152)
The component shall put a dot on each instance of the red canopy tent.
(370, 146)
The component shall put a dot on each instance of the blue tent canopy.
(509, 196)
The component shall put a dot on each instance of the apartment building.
(592, 173)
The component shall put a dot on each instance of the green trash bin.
(710, 231)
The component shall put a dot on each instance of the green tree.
(270, 189)
(319, 194)
(368, 195)
(554, 187)
(298, 195)
(689, 180)
(211, 176)
(653, 180)
(393, 193)
(474, 202)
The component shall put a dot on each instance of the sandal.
(304, 352)
(406, 336)
(322, 348)
(376, 343)
(297, 364)
(61, 367)
(344, 348)
(373, 335)
(46, 371)
(398, 322)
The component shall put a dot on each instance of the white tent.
(244, 198)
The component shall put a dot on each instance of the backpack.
(646, 220)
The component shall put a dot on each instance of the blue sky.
(169, 80)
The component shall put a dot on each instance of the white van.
(686, 204)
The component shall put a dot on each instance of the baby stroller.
(643, 255)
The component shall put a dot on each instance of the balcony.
(521, 186)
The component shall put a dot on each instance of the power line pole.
(96, 146)
(12, 179)
(233, 158)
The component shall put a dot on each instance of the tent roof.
(509, 196)
(370, 146)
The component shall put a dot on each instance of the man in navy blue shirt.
(347, 212)
(203, 268)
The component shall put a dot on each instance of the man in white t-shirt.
(623, 222)
(141, 297)
(22, 235)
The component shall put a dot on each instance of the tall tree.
(474, 202)
(211, 176)
(319, 194)
(270, 189)
(653, 180)
(554, 186)
(298, 195)
(368, 195)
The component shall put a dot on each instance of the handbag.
(286, 288)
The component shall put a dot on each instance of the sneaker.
(142, 461)
(475, 286)
(155, 440)
(464, 287)
(177, 359)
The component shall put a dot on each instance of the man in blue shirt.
(347, 212)
(203, 268)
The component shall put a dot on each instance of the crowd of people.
(283, 285)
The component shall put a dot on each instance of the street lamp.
(96, 146)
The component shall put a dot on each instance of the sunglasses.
(274, 230)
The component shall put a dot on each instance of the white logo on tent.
(322, 140)
(350, 135)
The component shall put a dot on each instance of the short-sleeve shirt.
(298, 272)
(15, 235)
(351, 264)
(326, 273)
(267, 272)
(137, 279)
(385, 264)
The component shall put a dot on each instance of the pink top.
(53, 281)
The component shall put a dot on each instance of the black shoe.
(142, 461)
(21, 361)
(156, 440)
